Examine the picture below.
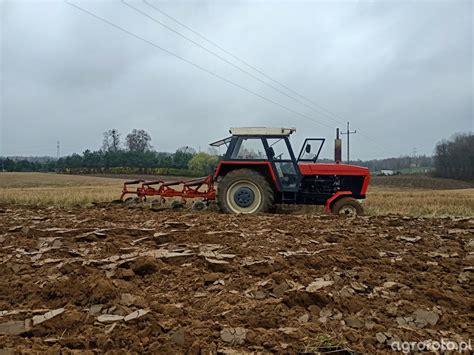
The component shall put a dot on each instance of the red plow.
(201, 188)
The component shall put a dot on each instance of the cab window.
(279, 149)
(249, 149)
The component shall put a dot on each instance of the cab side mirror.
(308, 148)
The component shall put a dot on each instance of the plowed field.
(126, 278)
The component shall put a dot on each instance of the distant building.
(387, 172)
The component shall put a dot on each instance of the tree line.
(454, 158)
(135, 155)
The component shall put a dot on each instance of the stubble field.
(408, 196)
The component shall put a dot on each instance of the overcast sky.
(400, 71)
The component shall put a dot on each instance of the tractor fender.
(263, 167)
(334, 198)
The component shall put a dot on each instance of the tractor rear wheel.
(347, 206)
(244, 191)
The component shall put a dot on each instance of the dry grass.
(67, 190)
(412, 202)
(55, 189)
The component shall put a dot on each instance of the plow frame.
(190, 189)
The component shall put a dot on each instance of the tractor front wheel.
(244, 191)
(347, 206)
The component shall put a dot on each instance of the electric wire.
(209, 71)
(242, 61)
(196, 65)
(333, 116)
(224, 59)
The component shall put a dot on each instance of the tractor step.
(288, 198)
(288, 201)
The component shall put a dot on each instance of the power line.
(334, 117)
(222, 58)
(242, 61)
(195, 65)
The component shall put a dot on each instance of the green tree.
(181, 159)
(203, 163)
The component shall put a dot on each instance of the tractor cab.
(255, 145)
(271, 147)
(266, 153)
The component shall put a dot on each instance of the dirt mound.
(110, 278)
(420, 182)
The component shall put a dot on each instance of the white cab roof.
(261, 131)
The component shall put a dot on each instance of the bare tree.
(454, 158)
(111, 142)
(138, 141)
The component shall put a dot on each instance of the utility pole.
(57, 149)
(412, 160)
(348, 133)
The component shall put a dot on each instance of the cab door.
(284, 163)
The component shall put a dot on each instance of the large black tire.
(244, 191)
(347, 206)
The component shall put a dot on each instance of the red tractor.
(260, 170)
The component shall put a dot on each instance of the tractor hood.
(332, 169)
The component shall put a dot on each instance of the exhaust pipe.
(337, 148)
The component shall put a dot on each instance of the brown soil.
(207, 282)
